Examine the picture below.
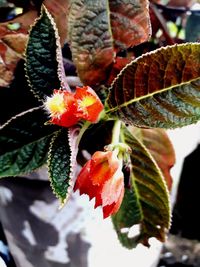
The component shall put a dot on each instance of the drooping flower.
(101, 177)
(67, 108)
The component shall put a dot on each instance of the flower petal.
(114, 207)
(103, 166)
(62, 107)
(89, 104)
(101, 177)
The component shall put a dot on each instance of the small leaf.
(62, 161)
(148, 198)
(192, 29)
(24, 142)
(90, 39)
(130, 22)
(160, 147)
(159, 89)
(12, 45)
(44, 66)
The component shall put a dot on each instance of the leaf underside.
(160, 89)
(159, 145)
(24, 142)
(90, 39)
(42, 66)
(130, 22)
(59, 164)
(147, 202)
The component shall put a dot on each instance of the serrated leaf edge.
(73, 154)
(28, 172)
(164, 184)
(19, 115)
(60, 70)
(151, 94)
(48, 164)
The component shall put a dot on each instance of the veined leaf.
(44, 67)
(160, 147)
(128, 215)
(24, 142)
(62, 161)
(90, 39)
(149, 198)
(159, 89)
(130, 22)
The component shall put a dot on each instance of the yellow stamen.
(55, 104)
(87, 101)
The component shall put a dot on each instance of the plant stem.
(82, 131)
(116, 132)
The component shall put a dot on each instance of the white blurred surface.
(2, 263)
(105, 248)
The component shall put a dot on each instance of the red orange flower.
(101, 177)
(67, 108)
(89, 104)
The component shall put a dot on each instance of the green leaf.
(147, 203)
(90, 38)
(159, 89)
(160, 147)
(128, 215)
(130, 22)
(62, 161)
(44, 67)
(192, 29)
(24, 142)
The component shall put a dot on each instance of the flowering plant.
(117, 111)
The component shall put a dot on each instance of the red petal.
(89, 104)
(112, 190)
(66, 120)
(101, 177)
(103, 166)
(66, 116)
(112, 193)
(84, 182)
(114, 207)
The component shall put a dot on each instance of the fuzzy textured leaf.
(160, 147)
(59, 164)
(24, 142)
(62, 162)
(90, 39)
(159, 89)
(130, 22)
(44, 66)
(150, 198)
(128, 215)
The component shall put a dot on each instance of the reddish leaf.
(119, 64)
(130, 22)
(90, 39)
(59, 10)
(181, 3)
(12, 45)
